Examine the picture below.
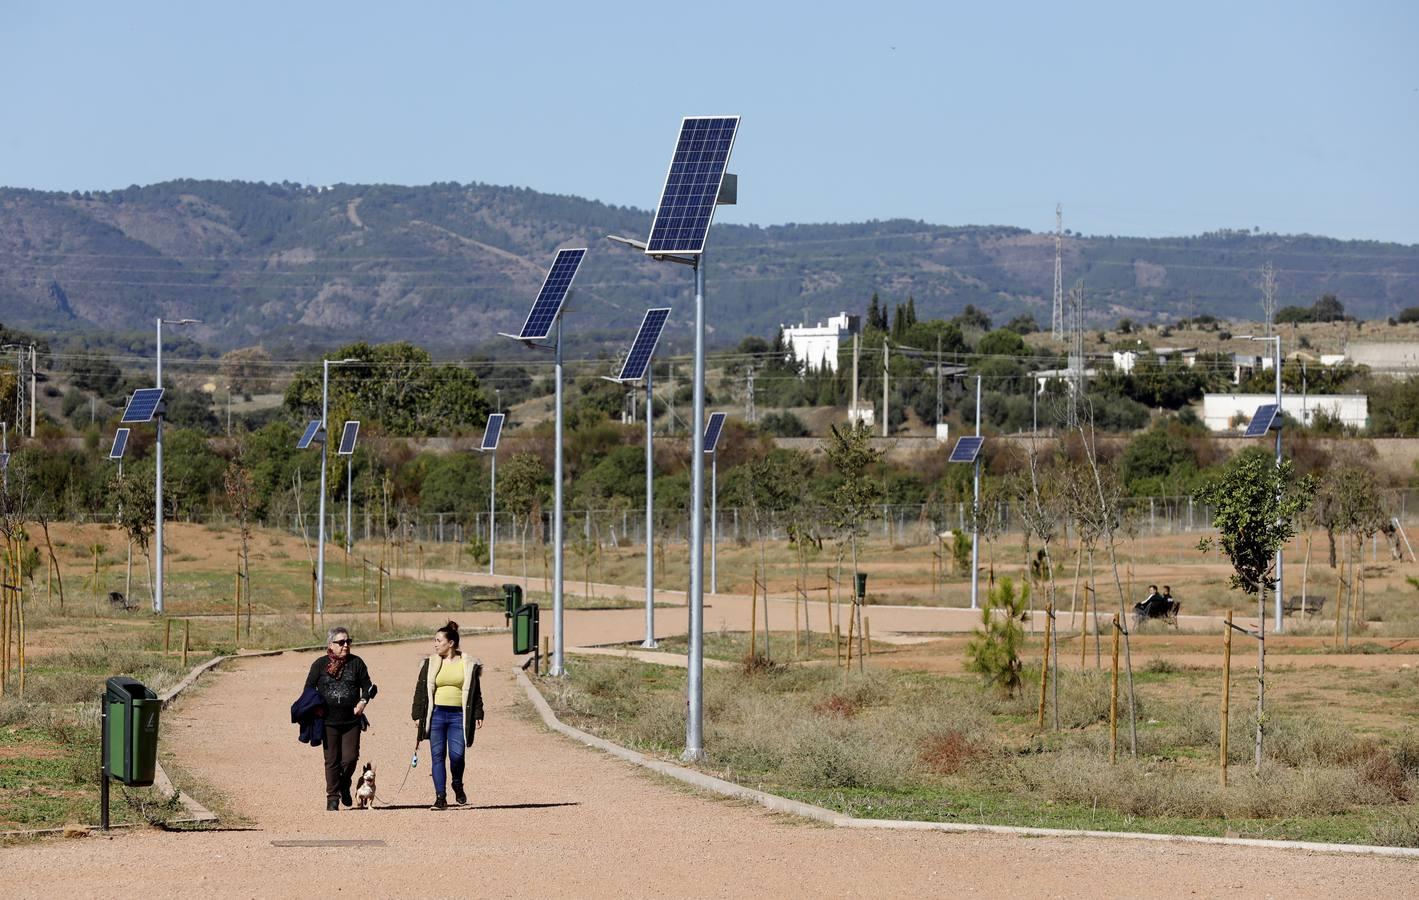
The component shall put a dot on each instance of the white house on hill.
(816, 346)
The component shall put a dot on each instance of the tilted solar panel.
(713, 430)
(120, 444)
(1262, 421)
(554, 292)
(493, 432)
(312, 428)
(967, 449)
(682, 219)
(638, 360)
(142, 406)
(348, 437)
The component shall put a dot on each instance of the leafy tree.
(783, 424)
(972, 318)
(1255, 508)
(1002, 342)
(856, 496)
(524, 487)
(1157, 462)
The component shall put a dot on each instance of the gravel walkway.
(547, 815)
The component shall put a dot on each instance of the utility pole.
(852, 410)
(938, 380)
(885, 375)
(34, 381)
(1057, 318)
(1268, 296)
(750, 414)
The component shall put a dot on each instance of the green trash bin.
(130, 731)
(862, 587)
(512, 599)
(526, 629)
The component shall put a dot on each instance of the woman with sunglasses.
(343, 682)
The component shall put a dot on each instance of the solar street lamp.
(491, 434)
(713, 429)
(348, 436)
(158, 410)
(316, 432)
(637, 366)
(545, 314)
(967, 450)
(1272, 423)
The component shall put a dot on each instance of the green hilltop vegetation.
(446, 265)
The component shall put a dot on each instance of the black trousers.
(342, 753)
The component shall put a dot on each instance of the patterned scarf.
(334, 665)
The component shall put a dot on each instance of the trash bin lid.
(121, 687)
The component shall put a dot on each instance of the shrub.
(994, 650)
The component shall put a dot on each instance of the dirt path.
(547, 814)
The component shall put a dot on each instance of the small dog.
(364, 794)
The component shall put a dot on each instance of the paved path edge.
(838, 820)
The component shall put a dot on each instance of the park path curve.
(548, 815)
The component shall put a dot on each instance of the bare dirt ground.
(547, 814)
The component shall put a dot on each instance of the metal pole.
(557, 663)
(349, 491)
(714, 522)
(1280, 589)
(694, 721)
(649, 641)
(324, 454)
(975, 520)
(158, 488)
(34, 383)
(103, 763)
(492, 509)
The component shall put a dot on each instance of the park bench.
(473, 594)
(1313, 605)
(116, 600)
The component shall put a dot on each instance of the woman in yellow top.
(448, 705)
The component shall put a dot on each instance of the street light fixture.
(323, 436)
(158, 605)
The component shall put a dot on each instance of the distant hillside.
(447, 265)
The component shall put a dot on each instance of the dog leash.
(413, 764)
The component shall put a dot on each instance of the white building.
(1224, 412)
(1124, 360)
(1398, 358)
(816, 346)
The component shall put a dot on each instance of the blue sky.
(1141, 119)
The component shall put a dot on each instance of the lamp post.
(325, 365)
(975, 513)
(158, 605)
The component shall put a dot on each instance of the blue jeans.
(446, 738)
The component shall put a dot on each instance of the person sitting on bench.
(1155, 606)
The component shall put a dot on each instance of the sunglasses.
(342, 643)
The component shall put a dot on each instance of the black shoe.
(345, 797)
(458, 796)
(332, 804)
(440, 802)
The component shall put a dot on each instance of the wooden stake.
(167, 636)
(546, 655)
(236, 612)
(797, 593)
(754, 618)
(838, 645)
(866, 636)
(20, 611)
(1044, 663)
(851, 621)
(1084, 628)
(1113, 700)
(312, 599)
(1226, 694)
(186, 640)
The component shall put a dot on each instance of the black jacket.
(309, 713)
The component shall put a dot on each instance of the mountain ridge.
(448, 265)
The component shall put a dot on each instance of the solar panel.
(347, 438)
(493, 432)
(692, 186)
(712, 431)
(966, 449)
(550, 298)
(311, 429)
(633, 369)
(1261, 422)
(142, 406)
(120, 444)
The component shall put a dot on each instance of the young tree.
(523, 485)
(994, 650)
(240, 490)
(856, 497)
(1255, 508)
